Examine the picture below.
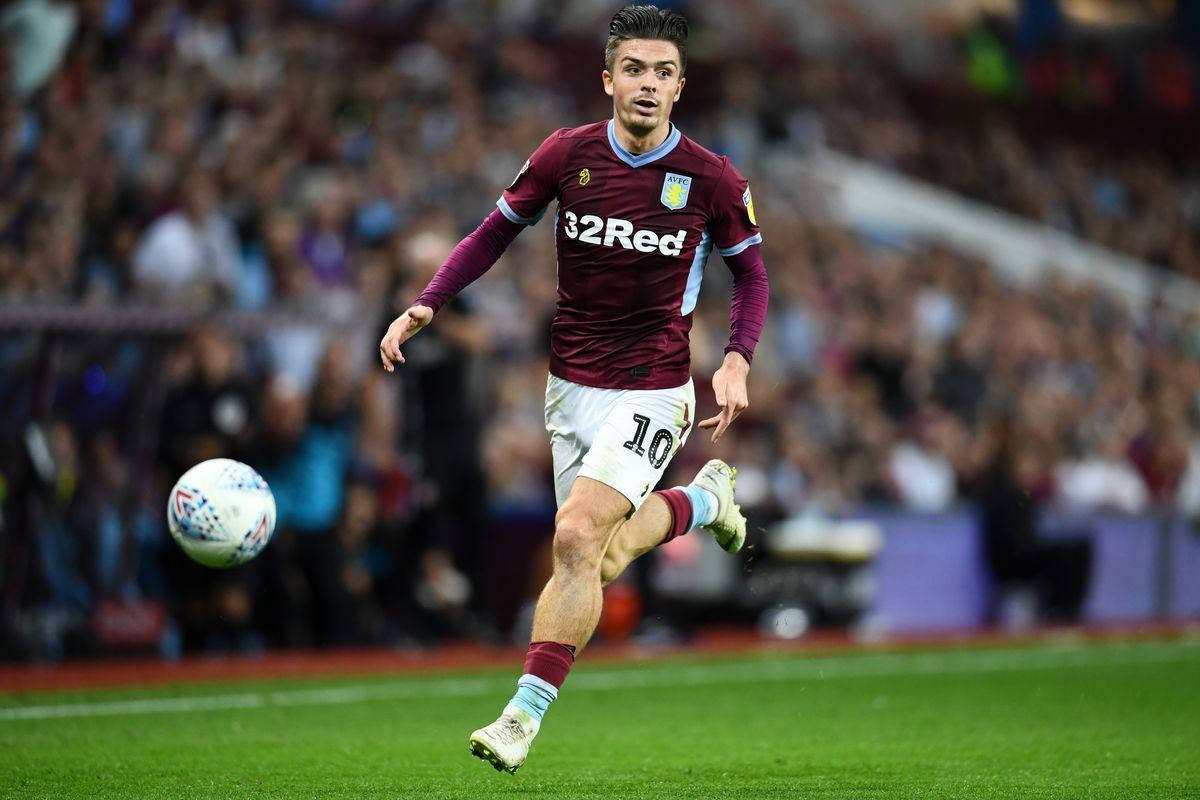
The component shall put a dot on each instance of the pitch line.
(649, 675)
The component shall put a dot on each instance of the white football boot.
(729, 526)
(505, 743)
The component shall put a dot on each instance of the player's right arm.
(521, 205)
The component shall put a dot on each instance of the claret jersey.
(633, 233)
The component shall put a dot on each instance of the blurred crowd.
(1141, 200)
(313, 166)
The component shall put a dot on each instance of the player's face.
(644, 84)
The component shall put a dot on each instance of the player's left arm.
(735, 230)
(747, 314)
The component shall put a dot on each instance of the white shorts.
(624, 438)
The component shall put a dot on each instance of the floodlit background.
(976, 402)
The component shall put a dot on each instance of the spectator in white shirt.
(190, 252)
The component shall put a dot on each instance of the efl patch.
(675, 191)
(749, 201)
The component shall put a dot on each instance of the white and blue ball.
(221, 512)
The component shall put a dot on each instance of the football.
(221, 512)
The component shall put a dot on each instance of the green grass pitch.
(1114, 720)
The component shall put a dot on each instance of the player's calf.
(665, 515)
(566, 616)
(706, 502)
(614, 563)
(569, 606)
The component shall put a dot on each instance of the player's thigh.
(640, 435)
(567, 439)
(574, 413)
(566, 454)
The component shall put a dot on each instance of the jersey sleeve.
(733, 225)
(525, 200)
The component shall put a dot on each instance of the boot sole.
(480, 750)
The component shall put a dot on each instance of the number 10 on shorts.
(660, 445)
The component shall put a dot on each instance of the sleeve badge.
(519, 174)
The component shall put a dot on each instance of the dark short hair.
(646, 22)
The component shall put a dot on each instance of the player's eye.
(632, 70)
(662, 73)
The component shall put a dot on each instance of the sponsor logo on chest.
(616, 232)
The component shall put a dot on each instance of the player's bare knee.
(577, 550)
(578, 543)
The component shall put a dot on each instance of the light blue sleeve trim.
(726, 252)
(516, 218)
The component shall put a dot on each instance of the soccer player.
(640, 206)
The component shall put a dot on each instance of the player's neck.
(641, 144)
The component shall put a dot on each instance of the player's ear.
(679, 88)
(607, 77)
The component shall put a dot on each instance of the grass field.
(1062, 721)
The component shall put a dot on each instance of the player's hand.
(729, 385)
(400, 331)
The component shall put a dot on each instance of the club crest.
(675, 191)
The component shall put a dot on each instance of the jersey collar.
(641, 159)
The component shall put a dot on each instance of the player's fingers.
(389, 350)
(385, 353)
(725, 418)
(716, 419)
(721, 428)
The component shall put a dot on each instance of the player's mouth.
(645, 105)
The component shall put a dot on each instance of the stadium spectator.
(304, 455)
(1047, 578)
(207, 411)
(365, 559)
(922, 474)
(192, 254)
